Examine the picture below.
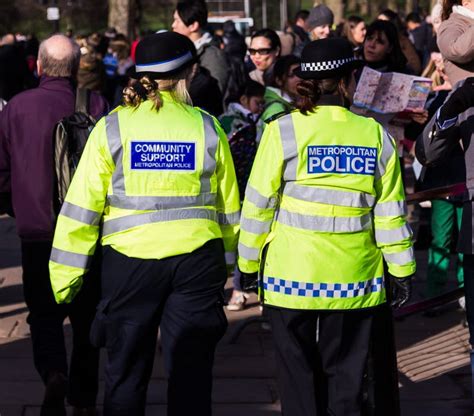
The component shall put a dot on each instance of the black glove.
(459, 101)
(249, 282)
(401, 291)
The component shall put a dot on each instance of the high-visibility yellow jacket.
(153, 184)
(326, 197)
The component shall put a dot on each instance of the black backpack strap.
(82, 100)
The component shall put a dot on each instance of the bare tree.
(122, 16)
(337, 6)
(352, 6)
(8, 15)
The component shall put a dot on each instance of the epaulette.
(276, 116)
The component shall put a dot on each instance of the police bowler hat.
(164, 54)
(327, 58)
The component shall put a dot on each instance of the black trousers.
(46, 320)
(468, 265)
(182, 295)
(321, 359)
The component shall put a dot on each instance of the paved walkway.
(432, 352)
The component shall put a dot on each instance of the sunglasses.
(263, 51)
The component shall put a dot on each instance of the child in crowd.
(243, 109)
(242, 112)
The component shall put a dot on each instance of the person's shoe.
(237, 301)
(54, 395)
(84, 411)
(462, 303)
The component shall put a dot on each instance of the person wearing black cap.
(156, 181)
(325, 205)
(319, 22)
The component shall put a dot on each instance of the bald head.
(8, 39)
(58, 57)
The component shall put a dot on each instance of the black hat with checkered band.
(327, 58)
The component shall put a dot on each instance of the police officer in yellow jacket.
(157, 183)
(324, 207)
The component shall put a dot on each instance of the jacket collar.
(327, 99)
(55, 82)
(280, 93)
(464, 11)
(203, 41)
(238, 108)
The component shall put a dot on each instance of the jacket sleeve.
(77, 229)
(393, 235)
(228, 199)
(456, 41)
(437, 142)
(215, 61)
(261, 199)
(5, 169)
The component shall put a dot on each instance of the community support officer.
(324, 207)
(157, 181)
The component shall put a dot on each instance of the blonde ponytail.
(147, 88)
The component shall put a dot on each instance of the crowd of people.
(258, 123)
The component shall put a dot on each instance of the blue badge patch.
(163, 155)
(342, 159)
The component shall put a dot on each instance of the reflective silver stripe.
(80, 214)
(211, 142)
(229, 219)
(391, 209)
(248, 253)
(388, 149)
(161, 202)
(329, 196)
(165, 66)
(254, 226)
(393, 236)
(290, 147)
(68, 258)
(130, 221)
(230, 257)
(401, 258)
(325, 224)
(260, 201)
(119, 200)
(116, 150)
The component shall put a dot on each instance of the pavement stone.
(218, 410)
(6, 410)
(434, 375)
(437, 408)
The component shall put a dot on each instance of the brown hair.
(147, 88)
(311, 90)
(448, 8)
(349, 25)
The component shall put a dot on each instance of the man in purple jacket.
(26, 192)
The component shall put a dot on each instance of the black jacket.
(437, 146)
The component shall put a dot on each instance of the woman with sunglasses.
(264, 50)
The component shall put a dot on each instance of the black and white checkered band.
(324, 65)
